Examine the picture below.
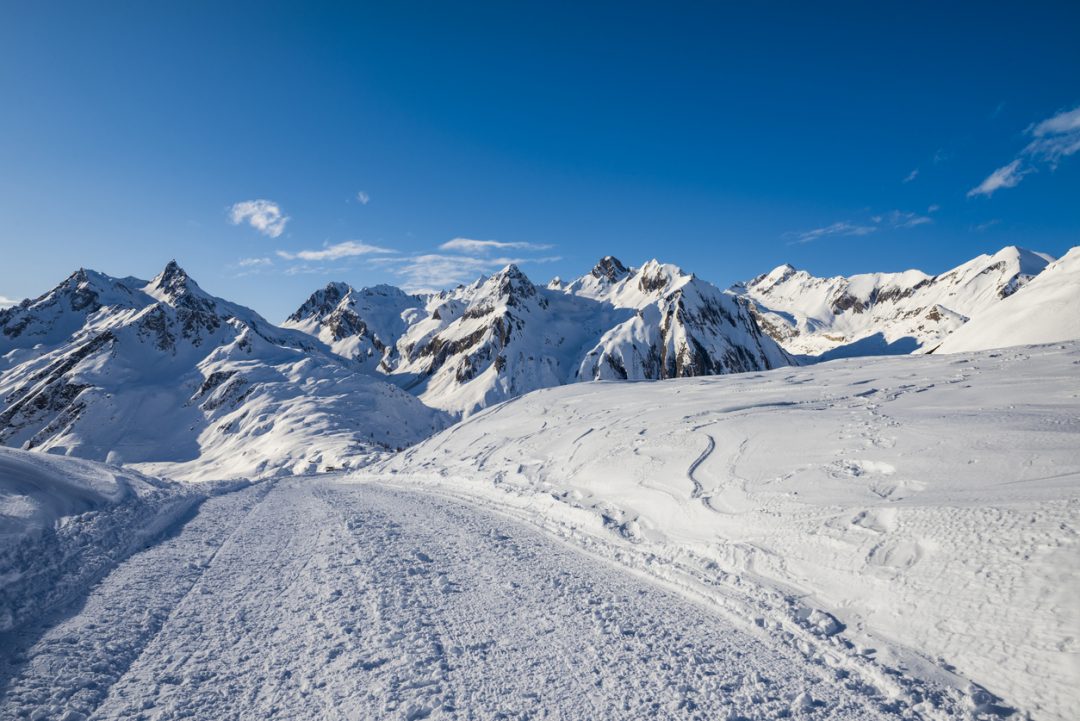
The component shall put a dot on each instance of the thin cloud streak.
(893, 220)
(345, 249)
(468, 245)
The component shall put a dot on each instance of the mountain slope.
(883, 313)
(1046, 310)
(175, 381)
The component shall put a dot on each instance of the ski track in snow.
(309, 598)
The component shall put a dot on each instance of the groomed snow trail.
(312, 598)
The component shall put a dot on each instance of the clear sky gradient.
(841, 138)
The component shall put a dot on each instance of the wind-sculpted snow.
(177, 382)
(907, 516)
(1046, 310)
(884, 313)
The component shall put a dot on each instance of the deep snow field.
(929, 504)
(860, 539)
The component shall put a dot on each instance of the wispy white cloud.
(934, 207)
(345, 249)
(252, 266)
(1055, 138)
(264, 216)
(6, 302)
(911, 176)
(468, 245)
(432, 271)
(843, 227)
(254, 262)
(901, 219)
(1052, 140)
(1007, 176)
(986, 226)
(894, 219)
(362, 197)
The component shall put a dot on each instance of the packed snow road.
(314, 598)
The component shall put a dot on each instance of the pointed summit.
(322, 302)
(610, 268)
(173, 282)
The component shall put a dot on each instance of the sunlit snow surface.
(930, 503)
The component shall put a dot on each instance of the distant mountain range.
(476, 345)
(879, 313)
(162, 375)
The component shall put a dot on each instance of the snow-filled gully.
(313, 598)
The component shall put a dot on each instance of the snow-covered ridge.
(886, 504)
(883, 313)
(476, 345)
(163, 375)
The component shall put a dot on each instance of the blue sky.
(843, 138)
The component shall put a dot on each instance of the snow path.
(310, 598)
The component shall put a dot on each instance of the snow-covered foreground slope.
(931, 504)
(165, 377)
(311, 598)
(884, 313)
(1046, 310)
(63, 522)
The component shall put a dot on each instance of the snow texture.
(900, 515)
(311, 599)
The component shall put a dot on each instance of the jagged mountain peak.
(174, 286)
(611, 268)
(322, 302)
(654, 276)
(509, 283)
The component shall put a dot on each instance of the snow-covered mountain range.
(164, 376)
(476, 345)
(883, 313)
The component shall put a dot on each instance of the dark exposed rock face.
(610, 268)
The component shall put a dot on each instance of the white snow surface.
(311, 598)
(1046, 310)
(884, 313)
(164, 377)
(908, 515)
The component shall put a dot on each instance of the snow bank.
(920, 513)
(64, 522)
